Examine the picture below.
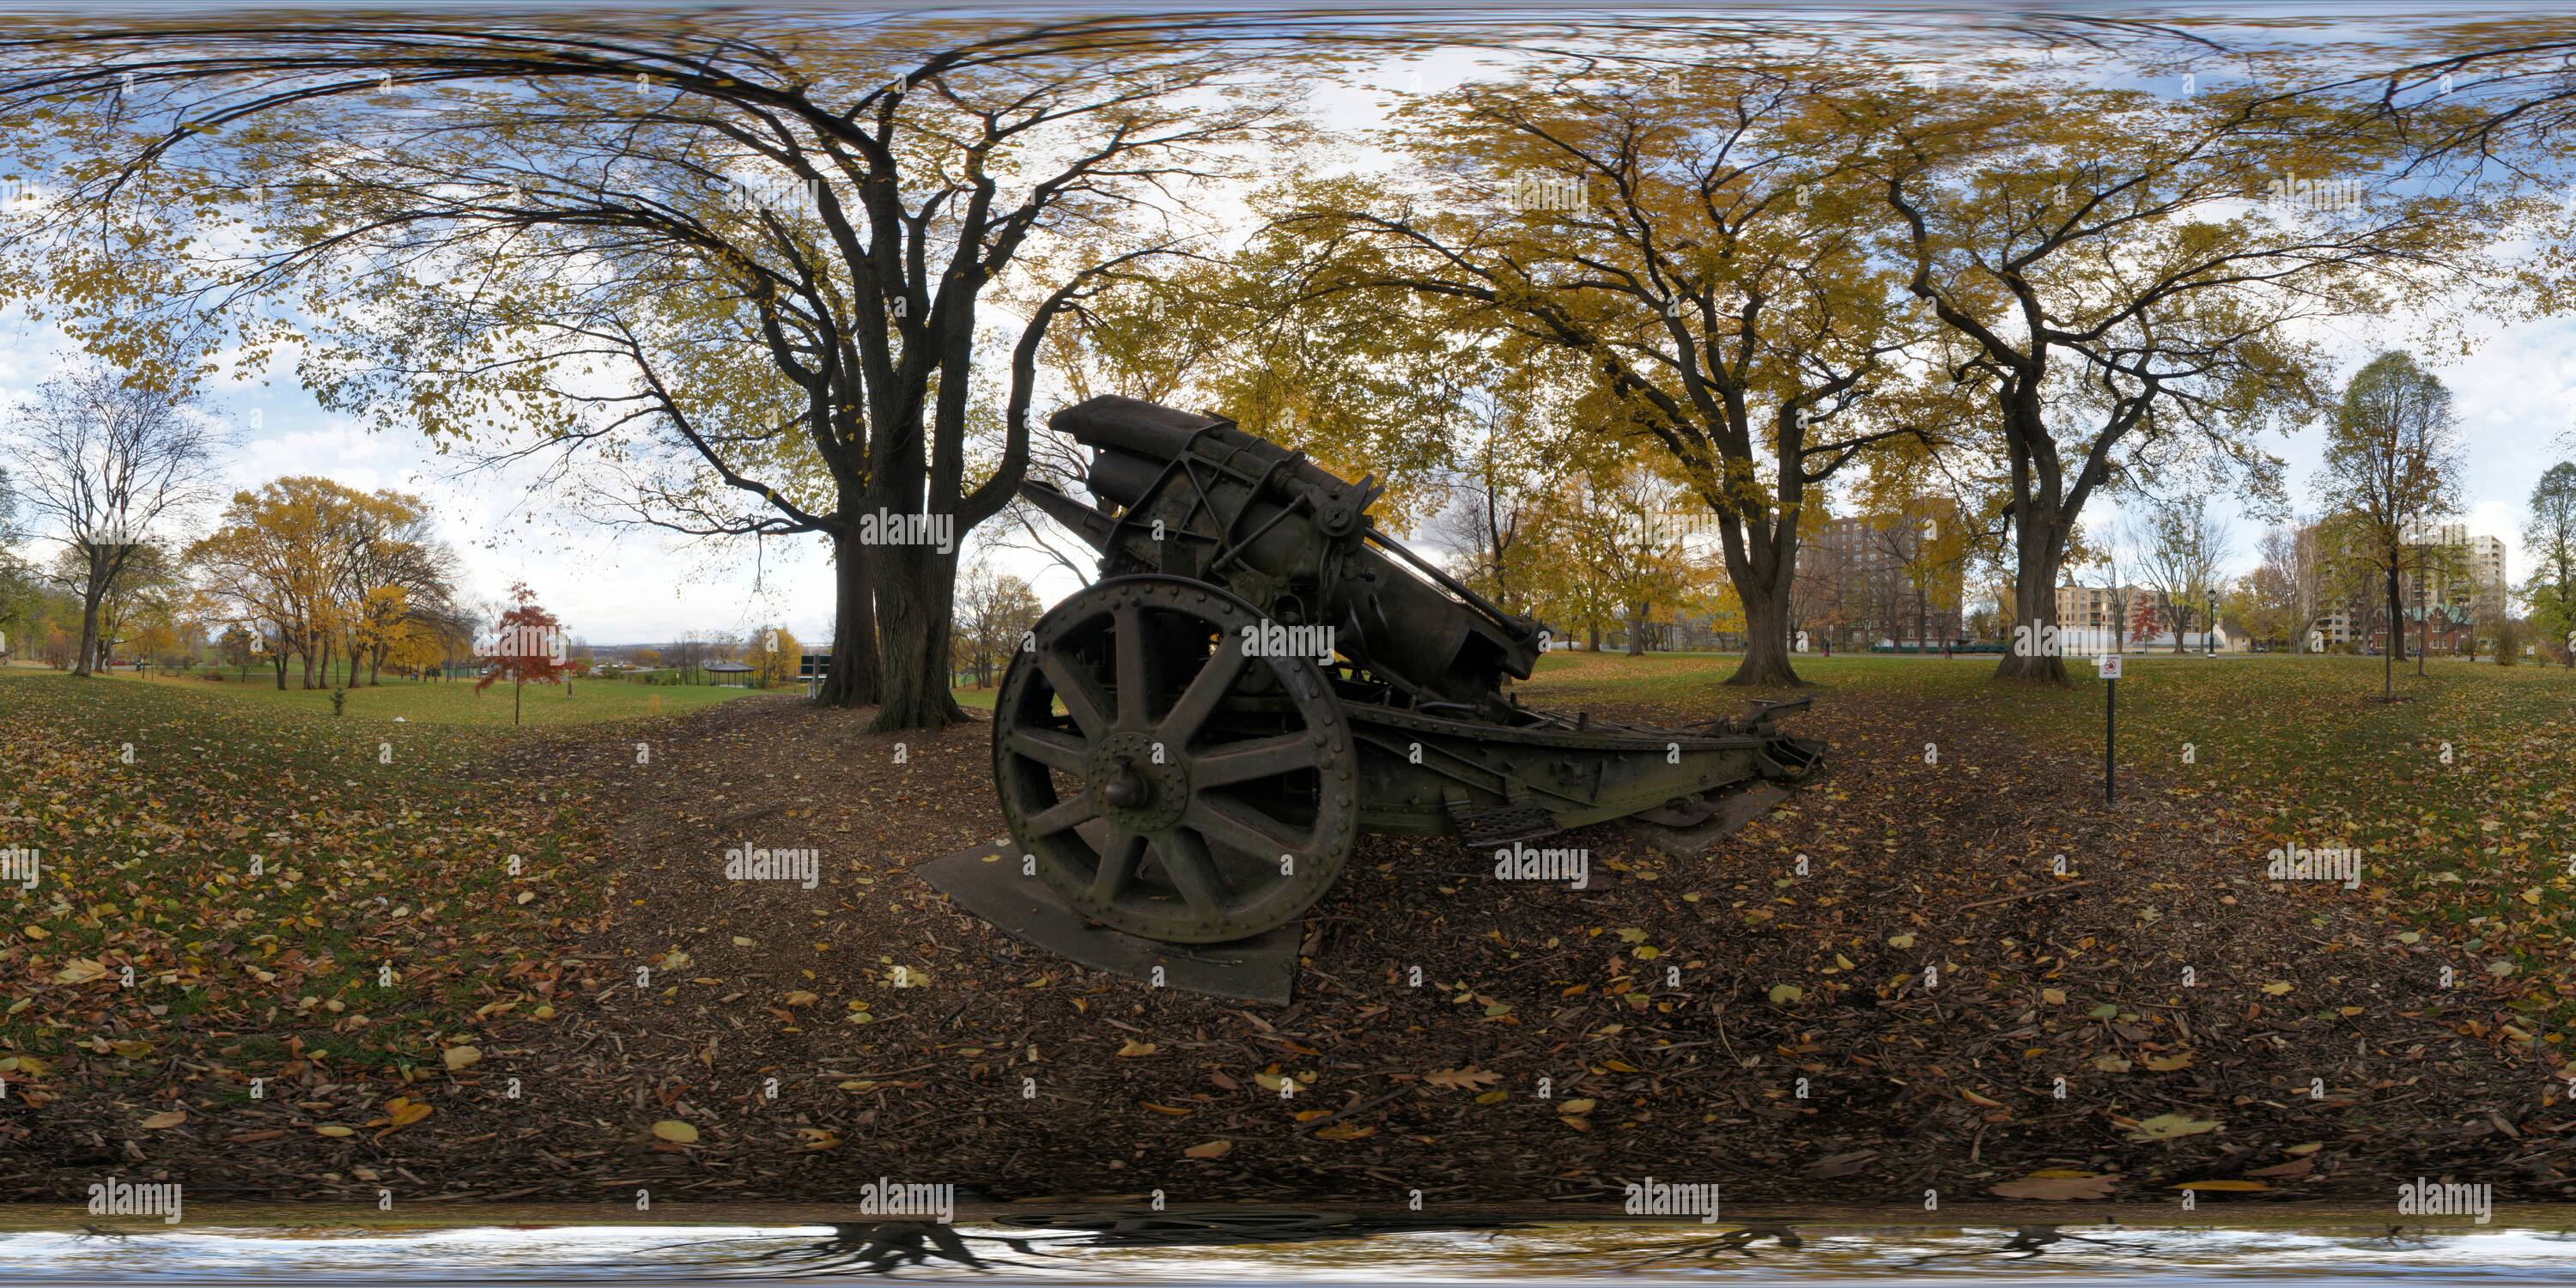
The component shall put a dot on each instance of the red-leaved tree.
(527, 644)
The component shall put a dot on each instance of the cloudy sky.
(609, 585)
(2515, 394)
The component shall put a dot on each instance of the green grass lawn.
(2478, 845)
(455, 702)
(150, 799)
(342, 884)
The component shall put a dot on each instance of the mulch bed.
(1946, 977)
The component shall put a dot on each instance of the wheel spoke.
(1241, 826)
(1049, 748)
(1192, 869)
(1134, 699)
(1080, 696)
(1081, 809)
(1117, 865)
(1263, 758)
(1198, 701)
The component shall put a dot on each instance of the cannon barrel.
(1196, 497)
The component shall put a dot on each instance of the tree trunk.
(2396, 638)
(281, 670)
(853, 680)
(2036, 550)
(916, 597)
(91, 594)
(1637, 630)
(1767, 631)
(1761, 550)
(89, 639)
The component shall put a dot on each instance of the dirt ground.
(1894, 1020)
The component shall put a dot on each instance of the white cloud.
(2515, 394)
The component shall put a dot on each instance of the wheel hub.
(1136, 792)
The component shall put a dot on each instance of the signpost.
(2109, 668)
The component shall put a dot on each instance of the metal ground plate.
(987, 882)
(1735, 809)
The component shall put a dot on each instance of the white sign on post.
(2108, 666)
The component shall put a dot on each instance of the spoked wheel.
(1169, 784)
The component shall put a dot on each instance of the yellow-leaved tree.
(744, 261)
(772, 653)
(311, 568)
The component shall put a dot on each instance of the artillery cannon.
(1188, 748)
